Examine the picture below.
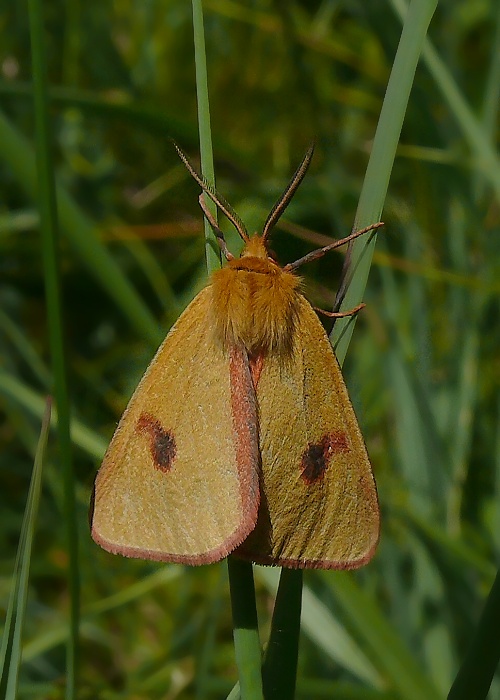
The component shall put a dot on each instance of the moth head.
(255, 246)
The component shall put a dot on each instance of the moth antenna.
(216, 198)
(287, 195)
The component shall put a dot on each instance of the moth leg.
(315, 254)
(340, 314)
(218, 232)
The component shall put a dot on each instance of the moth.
(241, 438)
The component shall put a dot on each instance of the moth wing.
(179, 481)
(319, 506)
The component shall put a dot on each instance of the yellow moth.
(241, 437)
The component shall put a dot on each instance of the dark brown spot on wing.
(162, 443)
(317, 455)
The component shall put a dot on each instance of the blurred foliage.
(422, 370)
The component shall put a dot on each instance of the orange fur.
(255, 303)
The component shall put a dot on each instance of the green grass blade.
(49, 226)
(11, 651)
(280, 668)
(279, 672)
(323, 629)
(478, 668)
(204, 126)
(381, 160)
(245, 624)
(246, 636)
(378, 173)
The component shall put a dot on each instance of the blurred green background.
(422, 370)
